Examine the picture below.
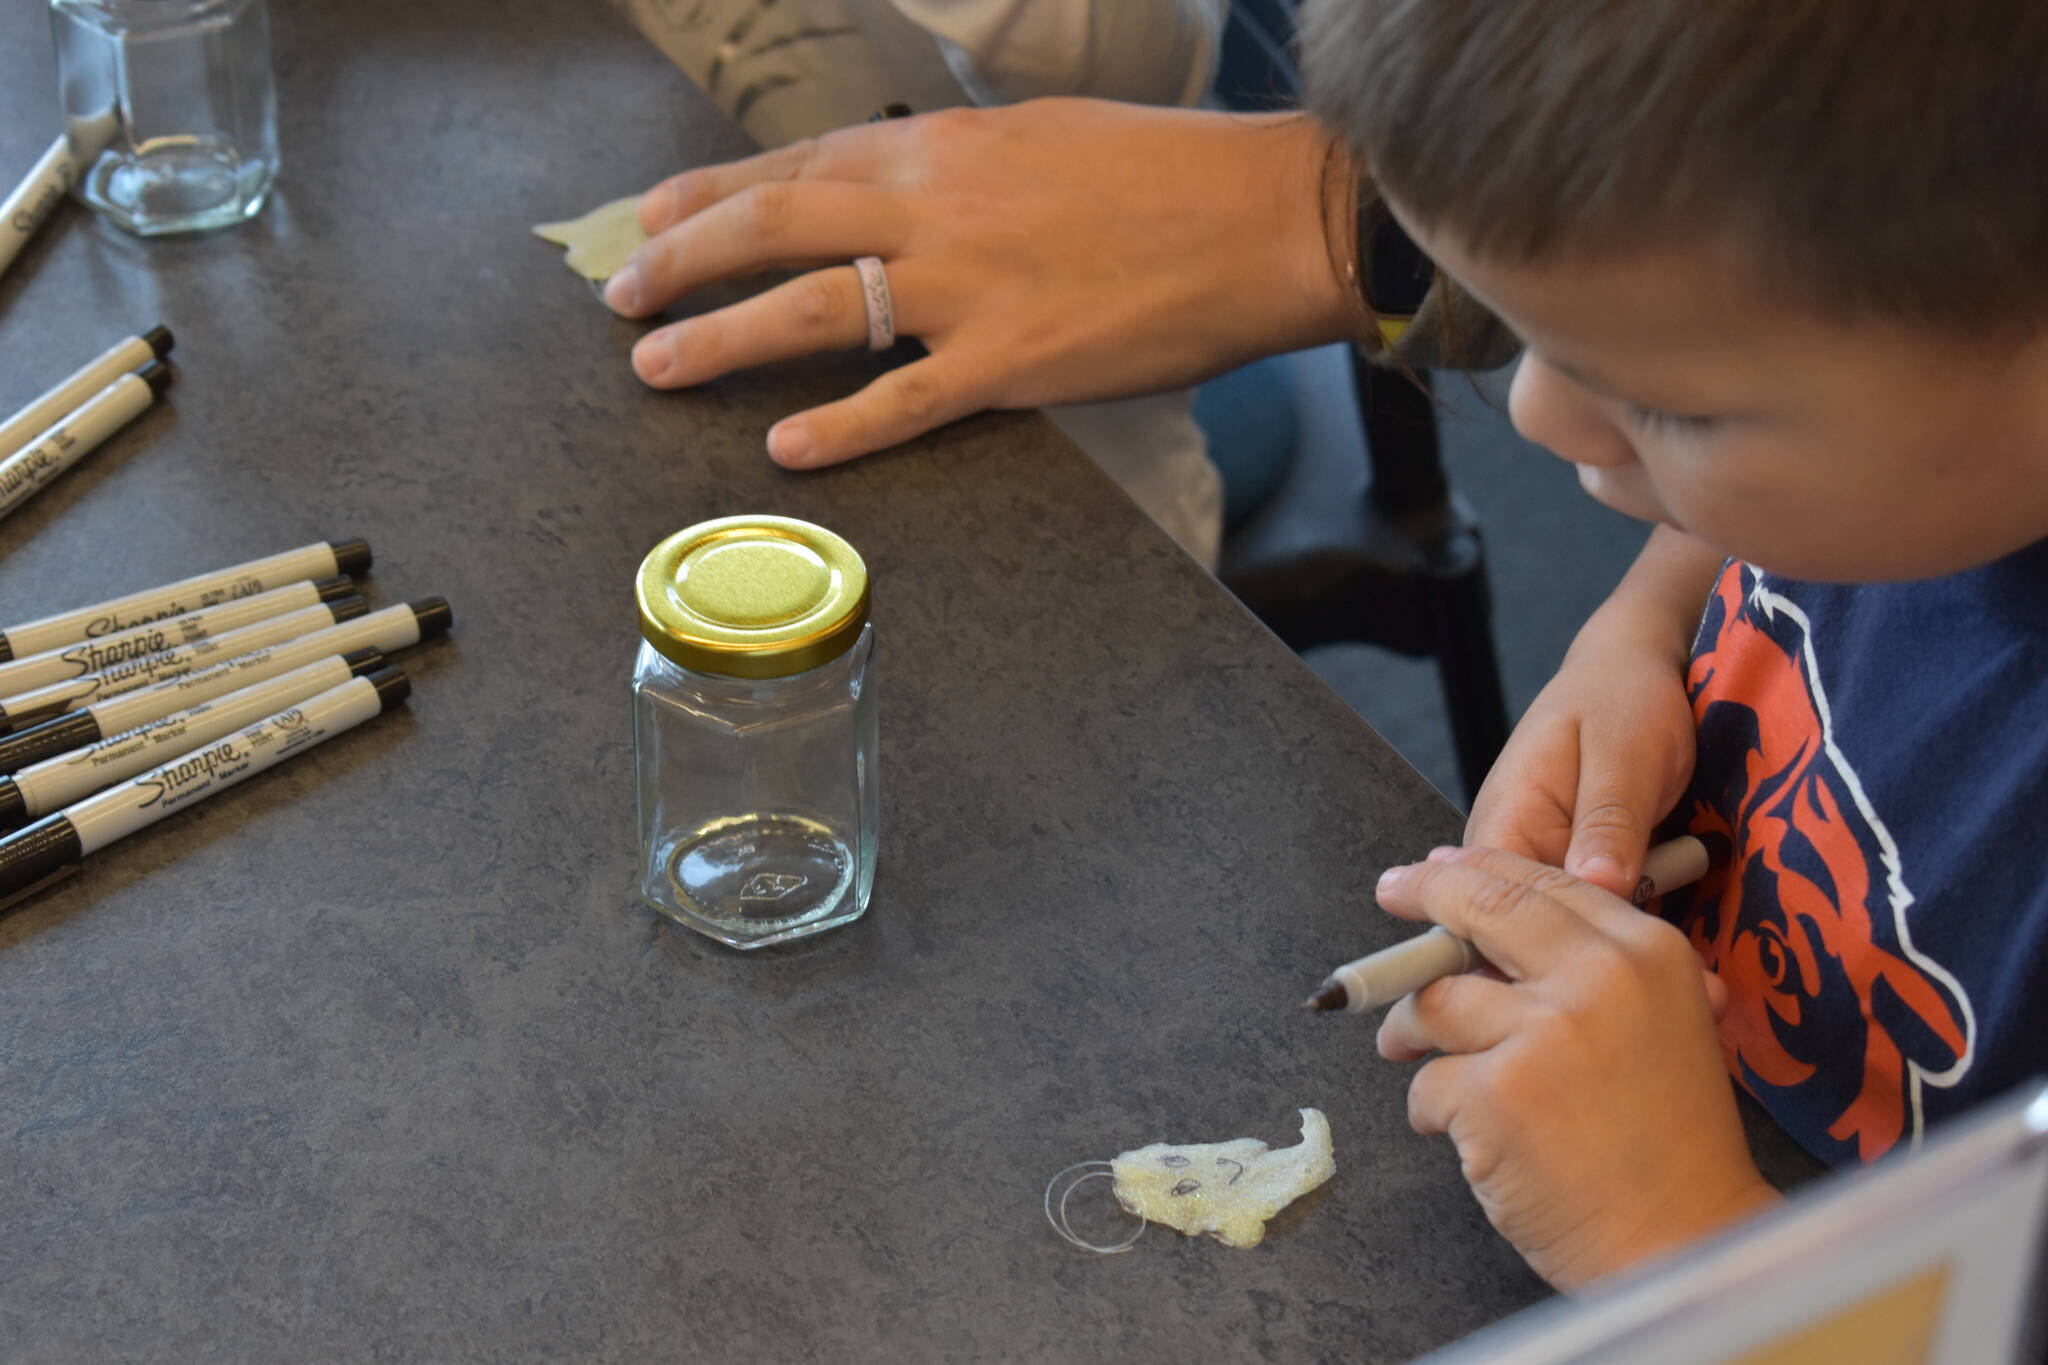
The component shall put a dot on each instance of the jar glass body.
(170, 108)
(758, 798)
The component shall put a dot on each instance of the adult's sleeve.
(1143, 51)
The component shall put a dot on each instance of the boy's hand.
(1607, 747)
(1602, 754)
(1582, 1084)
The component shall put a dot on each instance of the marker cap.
(363, 661)
(12, 806)
(160, 340)
(351, 556)
(752, 597)
(434, 615)
(156, 374)
(392, 685)
(348, 608)
(332, 589)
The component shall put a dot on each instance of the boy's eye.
(1675, 423)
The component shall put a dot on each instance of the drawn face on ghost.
(1225, 1190)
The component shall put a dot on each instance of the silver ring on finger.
(874, 292)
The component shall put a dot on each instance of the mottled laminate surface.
(379, 1057)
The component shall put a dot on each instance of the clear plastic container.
(170, 109)
(754, 730)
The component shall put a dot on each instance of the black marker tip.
(348, 608)
(157, 375)
(1330, 997)
(392, 685)
(435, 616)
(12, 808)
(351, 556)
(160, 340)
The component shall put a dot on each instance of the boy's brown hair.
(1866, 158)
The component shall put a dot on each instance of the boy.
(1782, 276)
(1781, 270)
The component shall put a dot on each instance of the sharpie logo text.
(166, 783)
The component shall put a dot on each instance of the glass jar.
(170, 109)
(754, 730)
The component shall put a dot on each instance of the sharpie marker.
(154, 637)
(119, 359)
(53, 846)
(57, 782)
(25, 473)
(31, 201)
(392, 629)
(40, 704)
(322, 559)
(1408, 966)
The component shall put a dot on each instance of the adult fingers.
(1466, 1013)
(848, 154)
(907, 401)
(760, 228)
(1524, 917)
(824, 310)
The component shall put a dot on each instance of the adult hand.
(1051, 252)
(1607, 747)
(1582, 1083)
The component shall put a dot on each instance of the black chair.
(1396, 559)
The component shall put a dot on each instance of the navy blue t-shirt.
(1872, 785)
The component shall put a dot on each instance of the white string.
(1090, 1170)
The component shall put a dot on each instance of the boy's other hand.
(1052, 252)
(1581, 1081)
(1601, 756)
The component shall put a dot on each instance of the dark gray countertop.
(379, 1056)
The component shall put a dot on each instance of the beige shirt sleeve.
(1146, 51)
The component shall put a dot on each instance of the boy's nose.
(1559, 414)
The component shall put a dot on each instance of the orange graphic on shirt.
(1800, 915)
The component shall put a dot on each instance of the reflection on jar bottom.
(177, 184)
(760, 877)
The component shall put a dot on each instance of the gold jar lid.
(752, 597)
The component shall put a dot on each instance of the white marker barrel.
(26, 472)
(57, 782)
(30, 202)
(213, 768)
(154, 637)
(322, 559)
(132, 675)
(88, 379)
(32, 858)
(391, 629)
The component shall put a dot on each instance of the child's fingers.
(1617, 806)
(1441, 1090)
(1467, 1013)
(1512, 909)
